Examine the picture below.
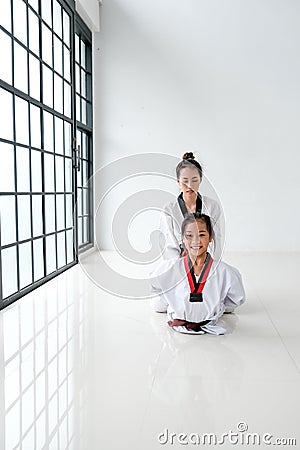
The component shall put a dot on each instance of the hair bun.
(188, 155)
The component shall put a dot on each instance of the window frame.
(85, 34)
(69, 7)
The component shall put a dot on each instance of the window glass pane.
(37, 214)
(70, 246)
(24, 219)
(79, 202)
(69, 211)
(47, 45)
(59, 135)
(79, 177)
(48, 131)
(8, 219)
(83, 83)
(50, 254)
(88, 113)
(77, 53)
(83, 55)
(46, 11)
(83, 111)
(34, 4)
(5, 14)
(78, 103)
(23, 167)
(79, 139)
(85, 230)
(77, 78)
(66, 26)
(7, 166)
(84, 168)
(57, 25)
(58, 93)
(61, 249)
(68, 174)
(36, 171)
(25, 264)
(35, 121)
(19, 20)
(34, 77)
(21, 115)
(60, 182)
(60, 211)
(85, 201)
(49, 172)
(47, 86)
(6, 115)
(67, 99)
(34, 32)
(20, 69)
(9, 271)
(68, 139)
(67, 63)
(50, 213)
(5, 55)
(84, 146)
(88, 80)
(57, 55)
(79, 230)
(38, 259)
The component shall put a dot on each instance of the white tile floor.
(84, 369)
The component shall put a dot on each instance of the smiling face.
(189, 180)
(196, 238)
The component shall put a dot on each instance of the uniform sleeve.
(169, 245)
(236, 293)
(159, 302)
(216, 211)
(154, 282)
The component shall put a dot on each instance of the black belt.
(195, 326)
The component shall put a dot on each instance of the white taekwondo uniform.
(223, 291)
(171, 220)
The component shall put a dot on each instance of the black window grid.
(84, 179)
(83, 67)
(67, 118)
(42, 62)
(84, 188)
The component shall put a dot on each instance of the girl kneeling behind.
(194, 290)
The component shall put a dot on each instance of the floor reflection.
(41, 395)
(184, 357)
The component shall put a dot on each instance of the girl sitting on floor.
(194, 290)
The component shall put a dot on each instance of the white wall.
(220, 78)
(89, 12)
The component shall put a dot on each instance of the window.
(83, 70)
(38, 230)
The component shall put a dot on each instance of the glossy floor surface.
(82, 368)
